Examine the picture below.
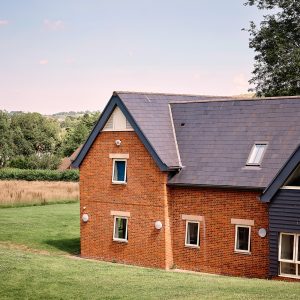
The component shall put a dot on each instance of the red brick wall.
(217, 234)
(148, 199)
(144, 196)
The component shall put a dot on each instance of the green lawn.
(35, 243)
(53, 228)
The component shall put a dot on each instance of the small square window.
(119, 171)
(242, 238)
(256, 154)
(120, 229)
(192, 234)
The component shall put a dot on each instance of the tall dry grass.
(19, 192)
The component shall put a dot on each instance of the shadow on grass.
(71, 246)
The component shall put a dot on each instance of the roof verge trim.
(281, 177)
(114, 101)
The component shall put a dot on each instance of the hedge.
(41, 175)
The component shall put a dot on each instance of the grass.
(53, 228)
(35, 243)
(23, 193)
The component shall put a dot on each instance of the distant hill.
(61, 116)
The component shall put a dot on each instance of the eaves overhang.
(196, 185)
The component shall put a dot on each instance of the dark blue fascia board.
(225, 187)
(114, 101)
(281, 176)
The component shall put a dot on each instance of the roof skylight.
(256, 155)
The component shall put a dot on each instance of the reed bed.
(20, 193)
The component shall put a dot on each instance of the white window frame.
(236, 239)
(113, 171)
(248, 163)
(186, 234)
(126, 232)
(295, 258)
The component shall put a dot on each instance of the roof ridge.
(169, 94)
(233, 99)
(219, 97)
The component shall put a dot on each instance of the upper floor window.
(294, 179)
(119, 171)
(256, 155)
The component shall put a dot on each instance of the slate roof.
(151, 113)
(217, 137)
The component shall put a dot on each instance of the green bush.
(41, 175)
(37, 162)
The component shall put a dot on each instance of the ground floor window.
(192, 234)
(289, 254)
(120, 229)
(242, 238)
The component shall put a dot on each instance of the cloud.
(3, 22)
(54, 25)
(43, 62)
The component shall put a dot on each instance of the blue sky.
(71, 55)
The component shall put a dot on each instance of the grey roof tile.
(217, 137)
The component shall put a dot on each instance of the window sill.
(242, 252)
(192, 246)
(289, 276)
(119, 183)
(120, 241)
(251, 167)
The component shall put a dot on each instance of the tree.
(35, 140)
(77, 134)
(6, 143)
(34, 134)
(277, 46)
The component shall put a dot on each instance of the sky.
(71, 55)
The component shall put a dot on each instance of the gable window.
(289, 254)
(119, 171)
(294, 179)
(120, 229)
(192, 234)
(242, 238)
(117, 122)
(256, 155)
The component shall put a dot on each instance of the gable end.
(282, 176)
(114, 102)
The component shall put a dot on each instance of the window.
(294, 179)
(192, 234)
(289, 254)
(120, 229)
(117, 122)
(242, 238)
(119, 170)
(256, 154)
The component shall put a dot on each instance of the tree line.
(34, 141)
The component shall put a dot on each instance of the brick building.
(209, 184)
